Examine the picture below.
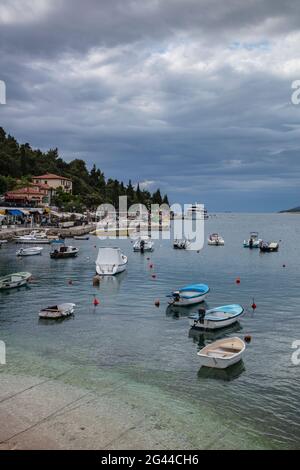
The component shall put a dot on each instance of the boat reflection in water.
(227, 375)
(111, 284)
(184, 311)
(203, 337)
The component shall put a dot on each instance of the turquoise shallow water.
(128, 335)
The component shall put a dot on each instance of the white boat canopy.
(109, 256)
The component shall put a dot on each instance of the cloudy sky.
(193, 96)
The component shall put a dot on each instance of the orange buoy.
(248, 339)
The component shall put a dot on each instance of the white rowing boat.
(222, 353)
(14, 280)
(57, 311)
(34, 251)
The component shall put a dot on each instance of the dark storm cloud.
(77, 25)
(193, 96)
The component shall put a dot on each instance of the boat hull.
(192, 301)
(219, 363)
(212, 325)
(110, 270)
(216, 243)
(63, 255)
(27, 241)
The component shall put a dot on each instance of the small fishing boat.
(3, 242)
(82, 237)
(269, 247)
(188, 295)
(216, 240)
(215, 318)
(110, 261)
(35, 237)
(63, 251)
(143, 244)
(57, 311)
(253, 241)
(222, 353)
(34, 251)
(14, 280)
(181, 244)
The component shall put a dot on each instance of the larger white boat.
(223, 353)
(34, 238)
(110, 261)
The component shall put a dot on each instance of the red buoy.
(157, 303)
(238, 280)
(96, 302)
(254, 306)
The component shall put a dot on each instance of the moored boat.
(216, 240)
(253, 241)
(35, 237)
(215, 318)
(181, 244)
(57, 311)
(189, 295)
(62, 251)
(82, 237)
(34, 251)
(143, 244)
(222, 353)
(110, 261)
(269, 247)
(14, 280)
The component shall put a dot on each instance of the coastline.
(49, 413)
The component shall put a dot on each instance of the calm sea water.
(154, 346)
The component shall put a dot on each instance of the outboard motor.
(201, 315)
(176, 296)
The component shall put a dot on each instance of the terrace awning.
(15, 212)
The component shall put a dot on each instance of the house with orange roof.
(55, 182)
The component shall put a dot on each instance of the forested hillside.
(19, 162)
